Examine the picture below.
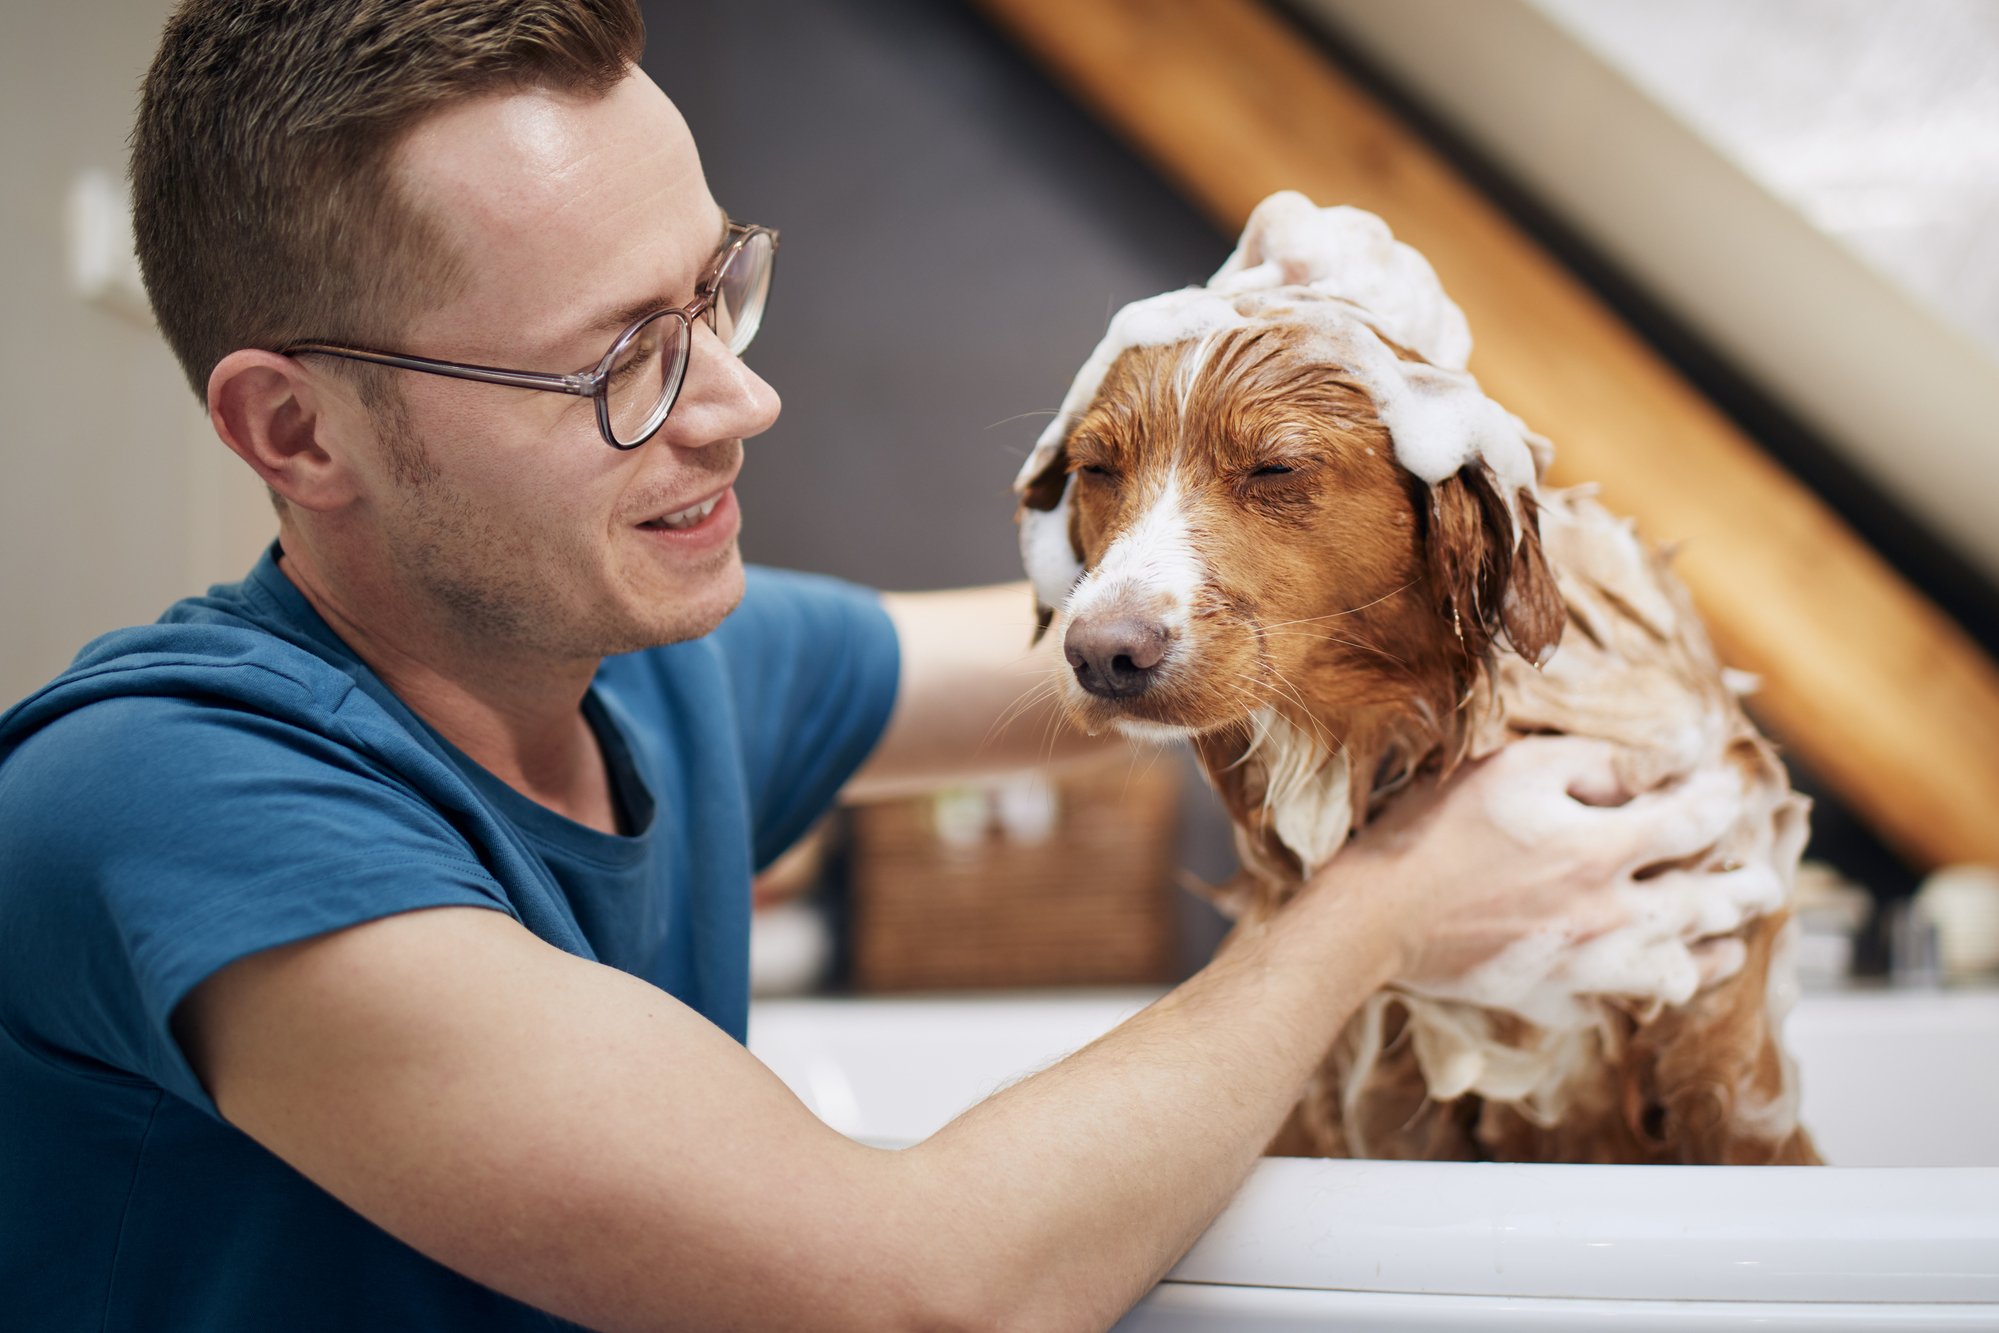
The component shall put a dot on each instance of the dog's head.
(1234, 520)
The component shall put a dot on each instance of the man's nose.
(721, 398)
(1115, 656)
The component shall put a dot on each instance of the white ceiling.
(1811, 185)
(1876, 119)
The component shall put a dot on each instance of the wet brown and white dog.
(1277, 518)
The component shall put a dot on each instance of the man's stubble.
(501, 584)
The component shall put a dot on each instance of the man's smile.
(682, 519)
(707, 522)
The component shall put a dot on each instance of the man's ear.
(272, 412)
(1486, 582)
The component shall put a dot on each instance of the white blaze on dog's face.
(1248, 540)
(1136, 607)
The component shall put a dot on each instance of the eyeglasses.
(638, 379)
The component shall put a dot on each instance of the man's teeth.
(688, 517)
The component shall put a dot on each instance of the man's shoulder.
(184, 796)
(200, 720)
(184, 672)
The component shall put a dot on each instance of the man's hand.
(1536, 840)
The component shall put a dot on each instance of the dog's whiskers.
(1021, 416)
(1046, 690)
(1352, 610)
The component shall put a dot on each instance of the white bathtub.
(1901, 1090)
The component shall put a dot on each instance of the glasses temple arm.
(583, 386)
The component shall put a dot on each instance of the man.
(372, 949)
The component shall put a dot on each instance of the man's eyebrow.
(622, 318)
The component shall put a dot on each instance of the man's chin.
(694, 606)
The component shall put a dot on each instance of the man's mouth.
(685, 518)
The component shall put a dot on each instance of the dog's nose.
(1114, 658)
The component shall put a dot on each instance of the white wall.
(115, 497)
(1878, 120)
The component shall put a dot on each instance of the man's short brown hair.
(263, 202)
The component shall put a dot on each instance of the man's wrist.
(1364, 899)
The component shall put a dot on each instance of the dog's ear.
(1532, 611)
(1044, 616)
(1048, 544)
(1043, 491)
(1486, 582)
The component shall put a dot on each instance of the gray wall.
(955, 235)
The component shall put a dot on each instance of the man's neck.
(521, 721)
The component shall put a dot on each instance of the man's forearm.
(1088, 1180)
(974, 698)
(575, 1138)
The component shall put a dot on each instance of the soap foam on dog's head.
(1340, 273)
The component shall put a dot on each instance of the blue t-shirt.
(233, 778)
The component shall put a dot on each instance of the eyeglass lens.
(647, 367)
(740, 292)
(645, 375)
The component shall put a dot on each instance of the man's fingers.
(1576, 766)
(1548, 798)
(1544, 785)
(1674, 823)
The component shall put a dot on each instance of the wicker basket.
(1035, 881)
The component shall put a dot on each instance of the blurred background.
(958, 227)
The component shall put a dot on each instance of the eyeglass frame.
(585, 384)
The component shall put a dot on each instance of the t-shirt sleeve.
(150, 841)
(813, 665)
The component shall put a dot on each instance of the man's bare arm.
(572, 1136)
(575, 1138)
(974, 698)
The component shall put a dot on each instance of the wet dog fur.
(1325, 627)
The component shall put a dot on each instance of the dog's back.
(1598, 1074)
